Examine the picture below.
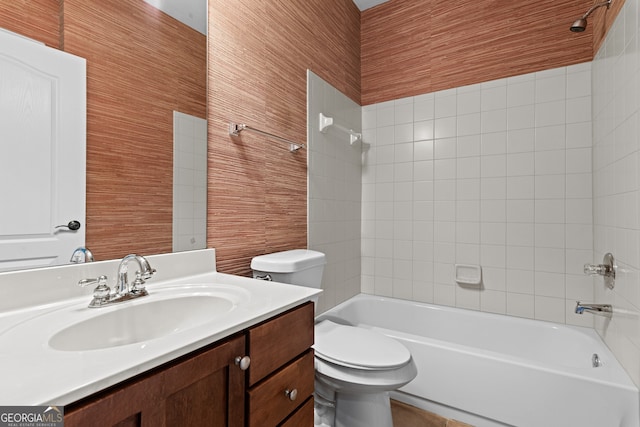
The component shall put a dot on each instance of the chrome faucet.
(81, 255)
(137, 288)
(601, 309)
(123, 290)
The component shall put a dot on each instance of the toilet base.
(363, 410)
(323, 415)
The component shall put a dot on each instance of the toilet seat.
(358, 348)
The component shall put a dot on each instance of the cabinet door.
(202, 389)
(123, 405)
(206, 390)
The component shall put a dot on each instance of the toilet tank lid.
(288, 261)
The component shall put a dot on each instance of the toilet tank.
(301, 267)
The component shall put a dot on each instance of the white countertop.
(33, 373)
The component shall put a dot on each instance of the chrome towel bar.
(236, 128)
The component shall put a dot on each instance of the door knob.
(73, 225)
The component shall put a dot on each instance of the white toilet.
(355, 367)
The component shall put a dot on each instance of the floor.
(409, 416)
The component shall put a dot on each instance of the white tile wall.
(334, 193)
(616, 185)
(496, 174)
(189, 182)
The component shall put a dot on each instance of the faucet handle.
(137, 287)
(607, 270)
(101, 293)
(145, 275)
(102, 280)
(595, 270)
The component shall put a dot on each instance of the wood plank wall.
(601, 21)
(410, 48)
(39, 20)
(141, 65)
(259, 51)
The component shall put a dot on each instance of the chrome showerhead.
(579, 25)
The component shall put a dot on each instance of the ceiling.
(366, 4)
(191, 12)
(194, 12)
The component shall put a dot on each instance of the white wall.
(496, 174)
(616, 181)
(334, 174)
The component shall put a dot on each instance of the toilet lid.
(358, 347)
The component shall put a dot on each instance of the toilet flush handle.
(266, 277)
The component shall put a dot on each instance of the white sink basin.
(166, 311)
(140, 322)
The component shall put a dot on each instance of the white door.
(42, 153)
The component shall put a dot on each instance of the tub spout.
(601, 309)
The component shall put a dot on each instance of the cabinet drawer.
(268, 402)
(302, 417)
(276, 342)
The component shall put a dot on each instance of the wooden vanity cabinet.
(281, 376)
(204, 388)
(207, 388)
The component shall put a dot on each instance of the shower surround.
(616, 182)
(501, 174)
(496, 174)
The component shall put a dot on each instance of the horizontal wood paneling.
(39, 20)
(259, 52)
(601, 21)
(409, 48)
(396, 50)
(141, 65)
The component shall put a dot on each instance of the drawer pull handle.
(243, 362)
(291, 394)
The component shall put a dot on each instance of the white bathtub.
(494, 370)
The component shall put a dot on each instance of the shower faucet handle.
(607, 270)
(595, 269)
